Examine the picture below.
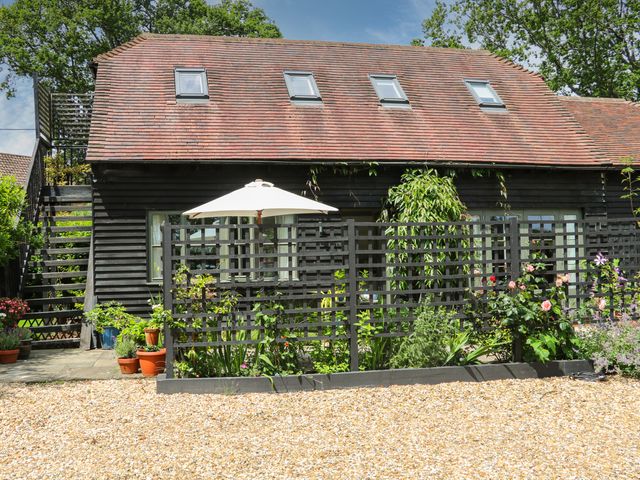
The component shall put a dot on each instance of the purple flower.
(600, 259)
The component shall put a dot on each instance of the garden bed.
(374, 378)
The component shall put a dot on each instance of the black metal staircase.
(55, 282)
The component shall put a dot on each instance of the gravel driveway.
(555, 428)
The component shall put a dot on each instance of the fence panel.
(234, 283)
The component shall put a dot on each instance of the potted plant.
(9, 347)
(108, 319)
(125, 350)
(152, 360)
(24, 335)
(11, 311)
(157, 320)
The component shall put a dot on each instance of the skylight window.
(388, 89)
(302, 87)
(484, 94)
(191, 83)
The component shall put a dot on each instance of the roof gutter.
(492, 166)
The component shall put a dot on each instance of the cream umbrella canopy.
(258, 199)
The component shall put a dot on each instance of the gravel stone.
(531, 429)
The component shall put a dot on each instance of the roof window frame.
(191, 97)
(315, 99)
(487, 83)
(387, 101)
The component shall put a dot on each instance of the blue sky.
(370, 21)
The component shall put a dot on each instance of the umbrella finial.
(258, 182)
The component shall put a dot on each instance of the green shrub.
(426, 346)
(613, 347)
(110, 314)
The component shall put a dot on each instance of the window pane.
(301, 85)
(155, 222)
(484, 93)
(191, 83)
(156, 263)
(388, 89)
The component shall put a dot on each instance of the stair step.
(57, 287)
(60, 263)
(59, 240)
(54, 301)
(53, 314)
(56, 343)
(49, 209)
(62, 251)
(67, 198)
(75, 228)
(63, 327)
(69, 218)
(79, 273)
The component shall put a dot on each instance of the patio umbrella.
(258, 199)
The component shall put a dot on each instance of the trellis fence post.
(514, 257)
(352, 290)
(166, 294)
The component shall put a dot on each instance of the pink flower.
(530, 268)
(558, 282)
(512, 284)
(523, 288)
(602, 304)
(243, 366)
(546, 305)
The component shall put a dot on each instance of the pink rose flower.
(558, 282)
(602, 304)
(512, 284)
(523, 288)
(530, 268)
(546, 305)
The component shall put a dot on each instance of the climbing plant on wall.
(423, 196)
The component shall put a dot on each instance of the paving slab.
(63, 364)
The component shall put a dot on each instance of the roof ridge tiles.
(120, 48)
(572, 98)
(517, 66)
(236, 39)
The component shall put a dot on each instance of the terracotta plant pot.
(151, 336)
(152, 363)
(25, 349)
(10, 356)
(129, 366)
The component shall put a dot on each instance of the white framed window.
(227, 244)
(388, 89)
(484, 93)
(302, 87)
(191, 83)
(551, 235)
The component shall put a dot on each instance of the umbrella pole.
(259, 220)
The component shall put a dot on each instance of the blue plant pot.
(109, 338)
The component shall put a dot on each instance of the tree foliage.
(13, 230)
(57, 39)
(586, 47)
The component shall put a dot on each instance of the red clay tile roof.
(16, 165)
(250, 116)
(613, 123)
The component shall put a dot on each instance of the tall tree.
(586, 47)
(57, 39)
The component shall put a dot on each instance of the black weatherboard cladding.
(124, 193)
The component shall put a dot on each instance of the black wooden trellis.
(330, 276)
